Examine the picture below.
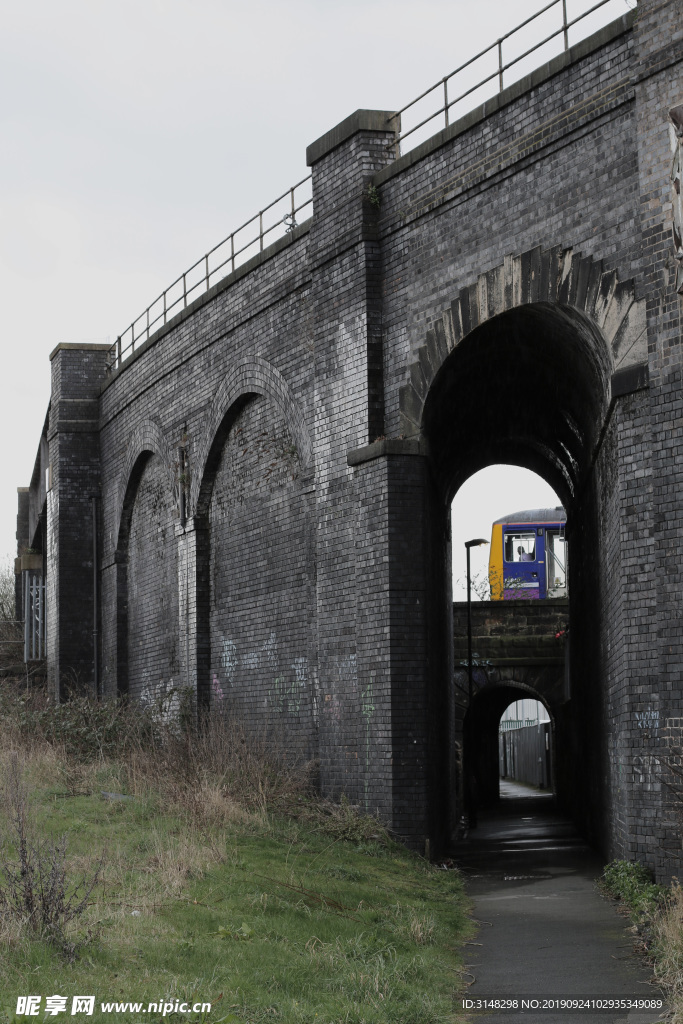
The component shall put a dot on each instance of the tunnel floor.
(543, 930)
(524, 828)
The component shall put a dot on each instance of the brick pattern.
(152, 634)
(241, 545)
(74, 457)
(261, 580)
(656, 549)
(576, 186)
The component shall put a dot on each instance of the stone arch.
(147, 439)
(147, 443)
(482, 723)
(543, 684)
(524, 368)
(250, 378)
(558, 277)
(250, 503)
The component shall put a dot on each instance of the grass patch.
(666, 950)
(224, 881)
(657, 913)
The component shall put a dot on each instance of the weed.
(373, 196)
(657, 913)
(421, 929)
(345, 821)
(666, 950)
(34, 888)
(225, 874)
(632, 884)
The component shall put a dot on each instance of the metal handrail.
(164, 306)
(498, 73)
(157, 313)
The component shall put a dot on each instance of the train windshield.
(556, 556)
(520, 547)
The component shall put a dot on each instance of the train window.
(520, 547)
(556, 558)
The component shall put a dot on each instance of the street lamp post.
(470, 544)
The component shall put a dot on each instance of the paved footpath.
(544, 930)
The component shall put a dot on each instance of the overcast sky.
(137, 134)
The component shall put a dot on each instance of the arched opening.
(525, 747)
(486, 497)
(523, 753)
(529, 388)
(147, 584)
(255, 569)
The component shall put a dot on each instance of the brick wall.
(262, 575)
(153, 657)
(277, 463)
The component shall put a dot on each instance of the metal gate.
(34, 615)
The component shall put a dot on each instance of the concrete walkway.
(544, 930)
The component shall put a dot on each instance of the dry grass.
(421, 929)
(223, 874)
(216, 774)
(212, 769)
(37, 887)
(667, 951)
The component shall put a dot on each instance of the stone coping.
(513, 92)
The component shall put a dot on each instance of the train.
(528, 555)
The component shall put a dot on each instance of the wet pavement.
(545, 933)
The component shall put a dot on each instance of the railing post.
(564, 24)
(500, 65)
(445, 99)
(208, 273)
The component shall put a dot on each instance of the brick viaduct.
(271, 473)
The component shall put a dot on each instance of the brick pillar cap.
(361, 120)
(84, 347)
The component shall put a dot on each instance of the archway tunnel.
(482, 745)
(530, 387)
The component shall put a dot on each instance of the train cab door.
(556, 561)
(524, 562)
(540, 562)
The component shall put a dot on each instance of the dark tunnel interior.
(530, 387)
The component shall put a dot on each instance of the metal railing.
(233, 251)
(275, 220)
(510, 724)
(34, 616)
(498, 73)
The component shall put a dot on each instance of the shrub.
(34, 886)
(632, 884)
